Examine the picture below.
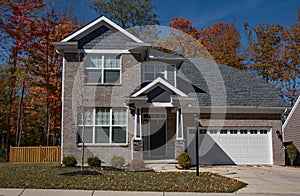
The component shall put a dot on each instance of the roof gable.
(96, 24)
(159, 82)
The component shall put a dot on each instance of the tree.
(184, 40)
(222, 40)
(263, 51)
(19, 25)
(127, 13)
(31, 71)
(289, 70)
(46, 87)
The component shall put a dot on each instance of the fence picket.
(33, 154)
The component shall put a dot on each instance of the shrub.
(137, 164)
(69, 161)
(94, 161)
(117, 161)
(292, 152)
(184, 160)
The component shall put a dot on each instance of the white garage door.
(232, 146)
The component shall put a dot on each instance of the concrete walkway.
(52, 192)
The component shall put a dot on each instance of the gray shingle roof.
(220, 85)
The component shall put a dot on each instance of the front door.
(154, 136)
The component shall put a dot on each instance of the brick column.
(138, 149)
(179, 147)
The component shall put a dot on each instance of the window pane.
(149, 76)
(112, 61)
(111, 76)
(160, 69)
(119, 117)
(93, 76)
(88, 135)
(87, 118)
(119, 134)
(149, 69)
(102, 134)
(102, 116)
(93, 60)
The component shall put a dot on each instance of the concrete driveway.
(263, 179)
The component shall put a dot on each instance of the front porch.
(158, 134)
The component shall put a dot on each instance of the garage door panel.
(235, 148)
(253, 141)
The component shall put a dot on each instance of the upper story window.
(151, 72)
(103, 69)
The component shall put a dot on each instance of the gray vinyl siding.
(292, 129)
(104, 38)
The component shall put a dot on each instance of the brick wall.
(97, 96)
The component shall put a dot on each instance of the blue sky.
(208, 12)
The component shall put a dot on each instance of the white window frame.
(154, 72)
(110, 125)
(102, 68)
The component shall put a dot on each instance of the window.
(151, 72)
(103, 68)
(103, 126)
(233, 131)
(253, 131)
(202, 131)
(213, 131)
(223, 131)
(263, 131)
(244, 131)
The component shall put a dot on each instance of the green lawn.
(53, 176)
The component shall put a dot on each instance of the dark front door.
(154, 136)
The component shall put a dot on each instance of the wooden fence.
(35, 154)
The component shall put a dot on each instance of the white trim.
(99, 51)
(161, 104)
(271, 143)
(165, 72)
(179, 117)
(175, 77)
(291, 113)
(110, 126)
(62, 107)
(156, 82)
(137, 121)
(103, 68)
(102, 18)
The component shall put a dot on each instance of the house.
(140, 103)
(291, 128)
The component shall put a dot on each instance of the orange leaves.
(220, 42)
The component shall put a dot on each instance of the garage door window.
(223, 132)
(263, 131)
(233, 131)
(253, 131)
(243, 131)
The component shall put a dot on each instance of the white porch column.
(179, 125)
(138, 126)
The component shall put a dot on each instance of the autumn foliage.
(31, 72)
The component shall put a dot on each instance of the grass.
(53, 176)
